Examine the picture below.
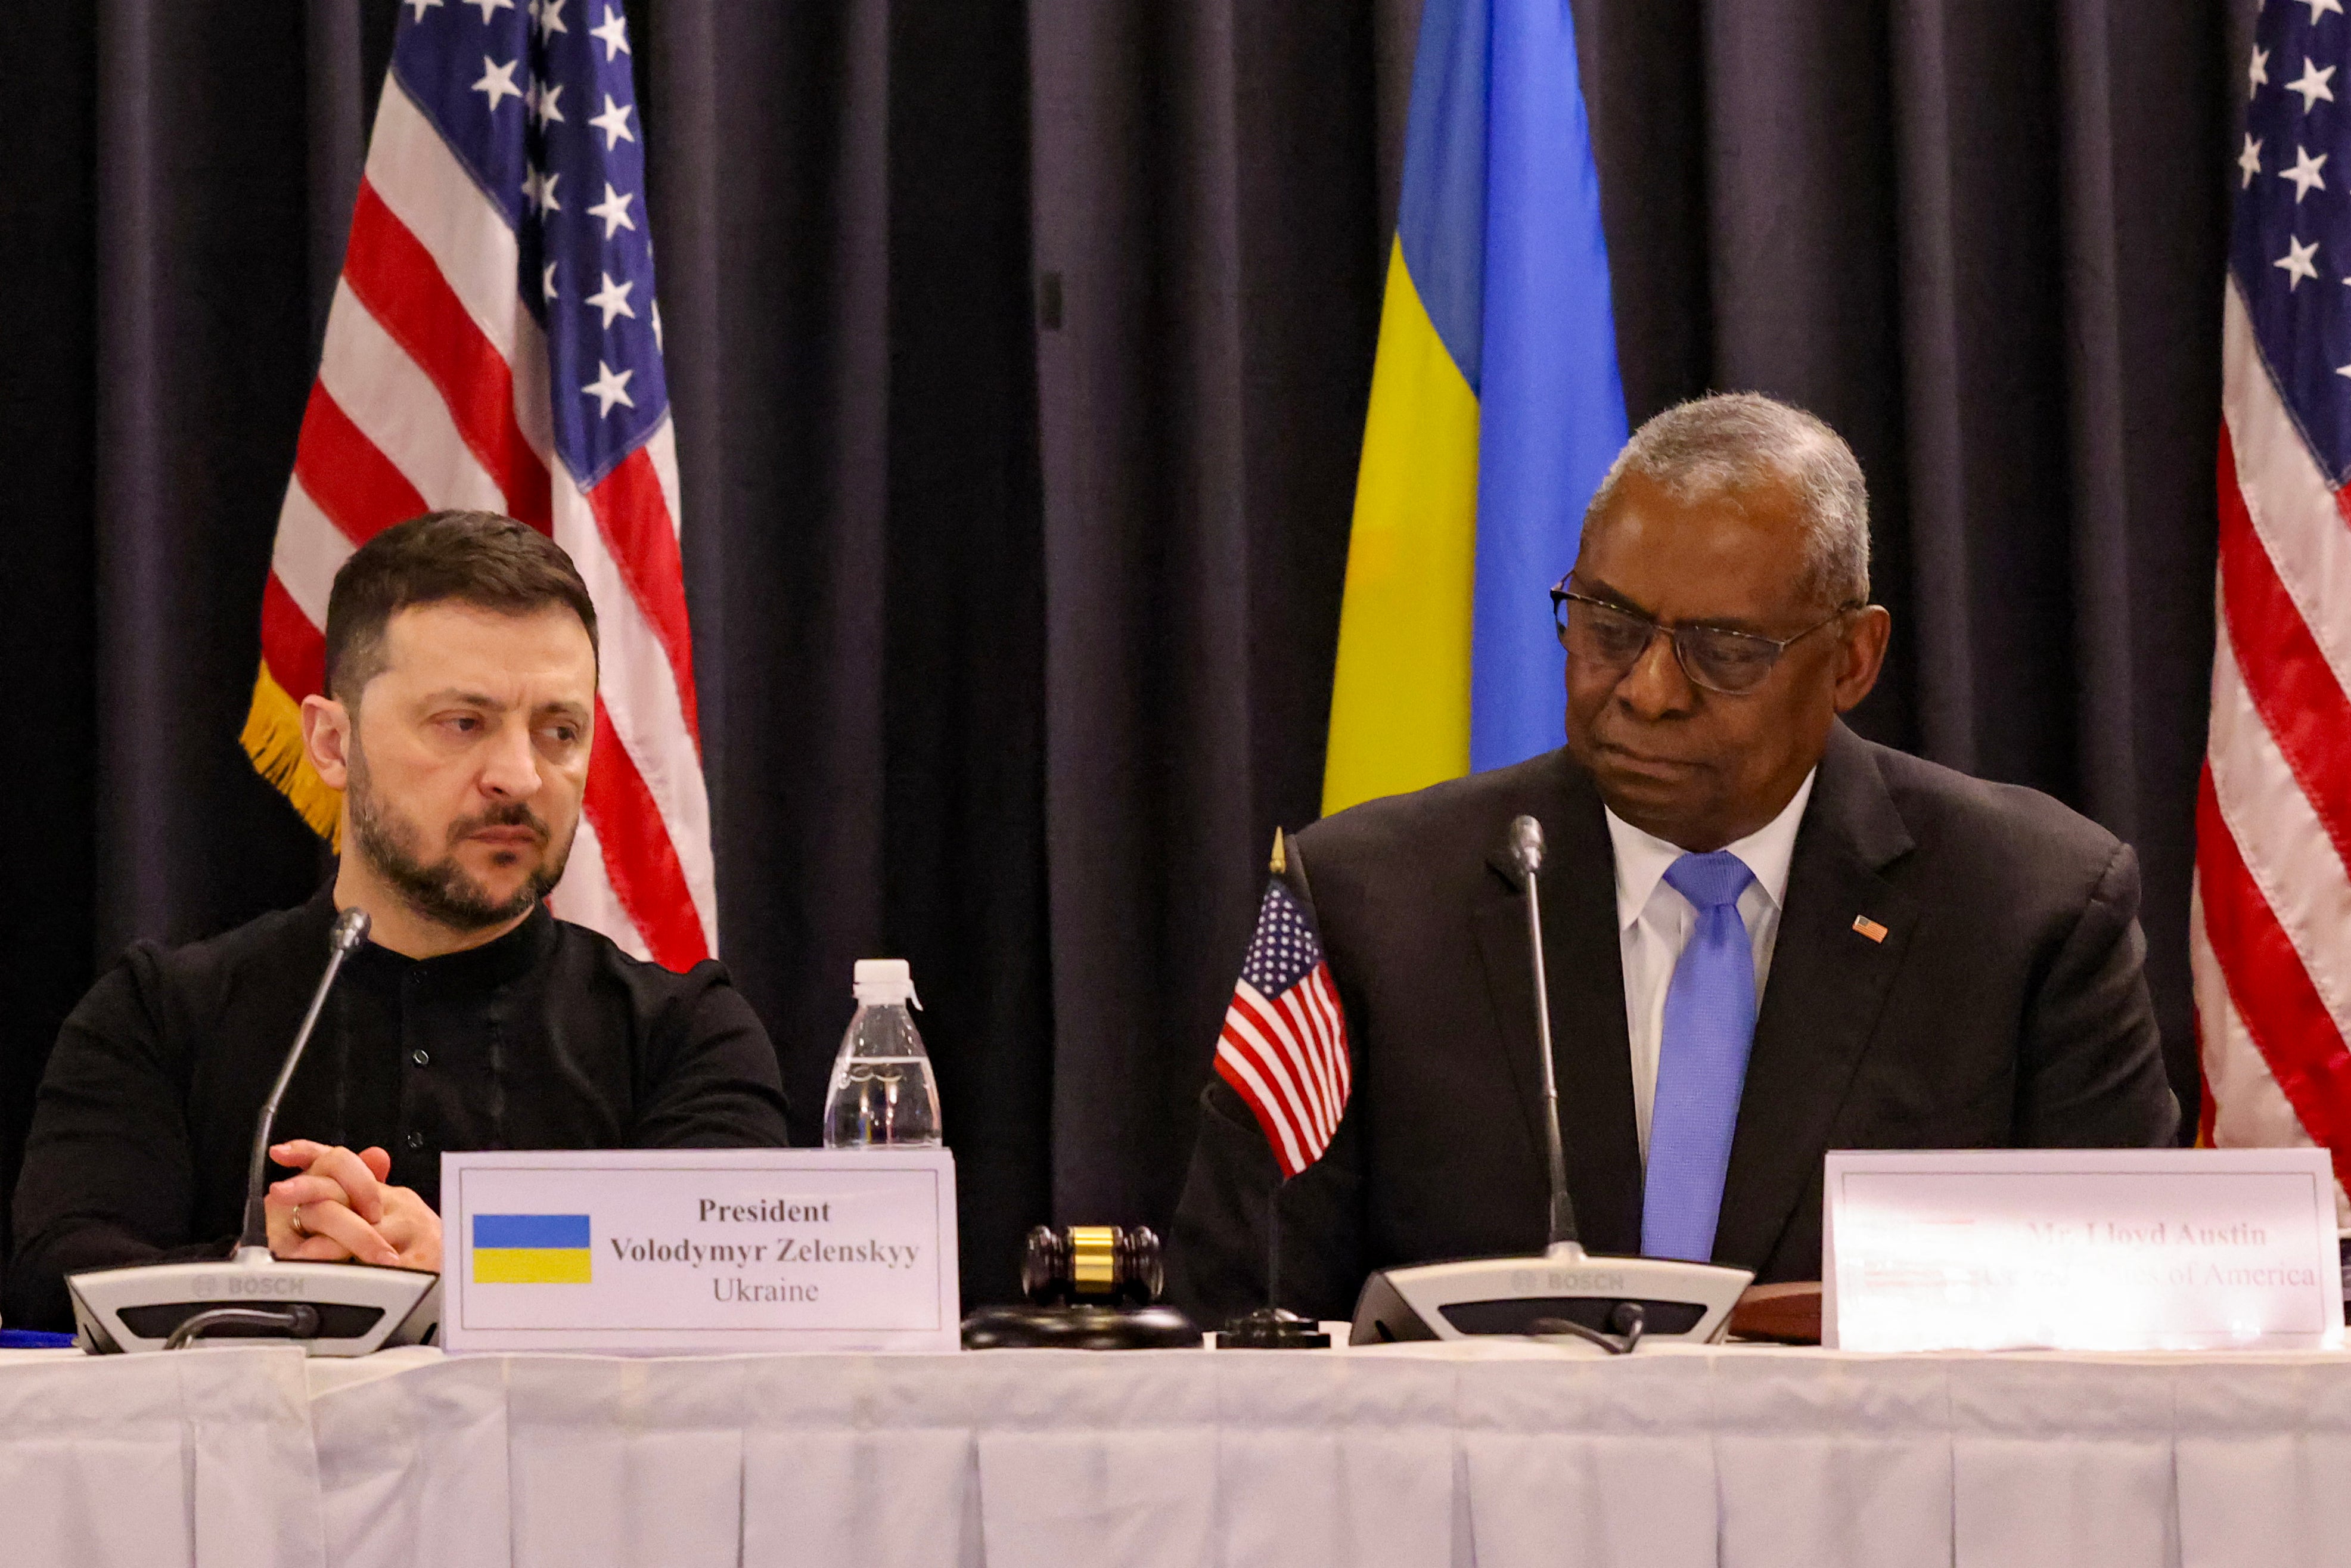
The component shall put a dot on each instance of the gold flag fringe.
(273, 738)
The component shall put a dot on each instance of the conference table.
(1501, 1453)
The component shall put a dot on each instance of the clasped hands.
(342, 1206)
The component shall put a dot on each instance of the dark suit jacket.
(2005, 1007)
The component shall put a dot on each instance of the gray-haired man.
(1766, 937)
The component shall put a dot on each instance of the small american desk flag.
(1284, 1045)
(494, 344)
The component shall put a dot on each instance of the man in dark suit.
(1766, 937)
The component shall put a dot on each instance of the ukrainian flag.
(1495, 411)
(531, 1250)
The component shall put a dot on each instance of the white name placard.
(642, 1251)
(2080, 1249)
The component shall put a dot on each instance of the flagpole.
(1273, 1247)
(1277, 865)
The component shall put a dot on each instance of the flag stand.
(1269, 1327)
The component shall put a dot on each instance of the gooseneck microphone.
(1527, 853)
(351, 929)
(330, 1308)
(1563, 1293)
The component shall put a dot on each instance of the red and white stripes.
(2271, 922)
(432, 393)
(1287, 1056)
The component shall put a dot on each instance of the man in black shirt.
(461, 672)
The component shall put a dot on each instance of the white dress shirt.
(1654, 922)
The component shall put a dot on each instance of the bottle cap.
(884, 982)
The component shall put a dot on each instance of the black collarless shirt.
(549, 1038)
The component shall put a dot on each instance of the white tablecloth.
(1500, 1455)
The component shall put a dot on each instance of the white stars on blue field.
(510, 89)
(2290, 247)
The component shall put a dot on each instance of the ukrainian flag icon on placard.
(531, 1250)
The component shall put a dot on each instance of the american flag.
(1284, 1045)
(2271, 919)
(494, 344)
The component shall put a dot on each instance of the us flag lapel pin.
(1869, 928)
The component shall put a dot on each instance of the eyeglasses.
(1611, 637)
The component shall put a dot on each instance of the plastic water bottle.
(882, 1094)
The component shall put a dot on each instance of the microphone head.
(351, 930)
(1526, 845)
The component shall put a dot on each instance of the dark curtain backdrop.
(1019, 353)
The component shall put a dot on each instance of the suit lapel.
(1584, 971)
(1827, 985)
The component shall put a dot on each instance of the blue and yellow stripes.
(1495, 411)
(531, 1250)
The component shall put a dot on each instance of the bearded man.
(459, 714)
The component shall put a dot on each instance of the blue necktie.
(1702, 1062)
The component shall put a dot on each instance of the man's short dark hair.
(471, 558)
